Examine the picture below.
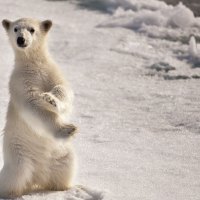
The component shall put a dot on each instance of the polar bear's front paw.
(49, 99)
(59, 91)
(66, 131)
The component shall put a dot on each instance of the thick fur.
(36, 144)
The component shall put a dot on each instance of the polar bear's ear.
(6, 24)
(46, 25)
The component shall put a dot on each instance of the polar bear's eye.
(15, 29)
(32, 30)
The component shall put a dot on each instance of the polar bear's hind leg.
(14, 180)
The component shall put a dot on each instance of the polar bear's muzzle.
(21, 42)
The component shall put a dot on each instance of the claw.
(49, 99)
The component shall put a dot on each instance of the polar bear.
(36, 143)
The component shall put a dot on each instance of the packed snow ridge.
(154, 18)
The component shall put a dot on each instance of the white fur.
(33, 156)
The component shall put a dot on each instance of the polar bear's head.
(27, 33)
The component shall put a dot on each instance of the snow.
(182, 16)
(134, 68)
(154, 21)
(76, 193)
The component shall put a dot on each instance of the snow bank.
(154, 18)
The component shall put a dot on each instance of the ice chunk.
(193, 47)
(181, 16)
(153, 18)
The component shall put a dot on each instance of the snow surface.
(135, 73)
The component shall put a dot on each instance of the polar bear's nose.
(20, 41)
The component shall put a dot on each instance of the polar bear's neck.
(32, 55)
